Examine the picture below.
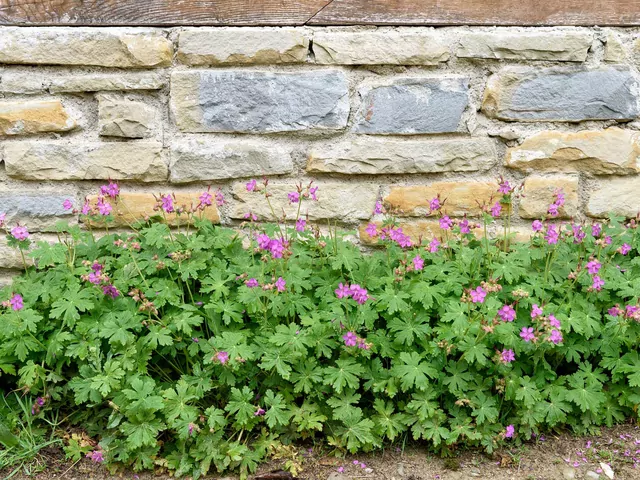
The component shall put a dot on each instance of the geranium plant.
(203, 348)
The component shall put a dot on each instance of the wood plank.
(479, 12)
(158, 12)
(319, 12)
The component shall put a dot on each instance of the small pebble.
(591, 475)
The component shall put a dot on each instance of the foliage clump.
(207, 348)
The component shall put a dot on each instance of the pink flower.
(554, 322)
(19, 233)
(536, 226)
(434, 204)
(478, 295)
(343, 291)
(95, 456)
(16, 302)
(464, 226)
(110, 291)
(350, 339)
(507, 356)
(446, 223)
(104, 208)
(263, 241)
(536, 311)
(251, 185)
(372, 230)
(312, 192)
(552, 235)
(433, 245)
(615, 311)
(276, 247)
(624, 249)
(3, 217)
(294, 197)
(400, 238)
(251, 283)
(596, 229)
(223, 357)
(190, 429)
(510, 431)
(219, 198)
(504, 187)
(555, 337)
(496, 210)
(418, 263)
(527, 334)
(598, 283)
(86, 208)
(67, 205)
(553, 210)
(340, 469)
(593, 267)
(205, 198)
(378, 208)
(359, 294)
(259, 412)
(281, 284)
(507, 313)
(300, 224)
(578, 233)
(112, 190)
(251, 216)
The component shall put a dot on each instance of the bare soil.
(561, 457)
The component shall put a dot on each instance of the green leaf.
(413, 371)
(346, 373)
(277, 413)
(241, 405)
(71, 304)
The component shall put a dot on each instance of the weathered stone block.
(379, 47)
(613, 49)
(134, 206)
(463, 197)
(103, 82)
(561, 94)
(259, 102)
(31, 117)
(610, 151)
(23, 83)
(620, 196)
(241, 45)
(119, 117)
(377, 156)
(539, 192)
(413, 105)
(37, 210)
(106, 47)
(568, 46)
(194, 160)
(342, 201)
(140, 161)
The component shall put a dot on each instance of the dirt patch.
(561, 457)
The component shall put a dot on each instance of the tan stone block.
(613, 49)
(102, 82)
(10, 257)
(539, 192)
(131, 207)
(610, 151)
(379, 47)
(30, 117)
(620, 196)
(120, 117)
(376, 157)
(142, 161)
(341, 201)
(106, 47)
(241, 45)
(538, 44)
(463, 197)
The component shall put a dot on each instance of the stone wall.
(398, 114)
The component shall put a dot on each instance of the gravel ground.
(561, 457)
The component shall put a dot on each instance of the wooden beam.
(158, 12)
(479, 12)
(319, 12)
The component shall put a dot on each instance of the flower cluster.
(558, 202)
(97, 276)
(276, 246)
(352, 340)
(354, 291)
